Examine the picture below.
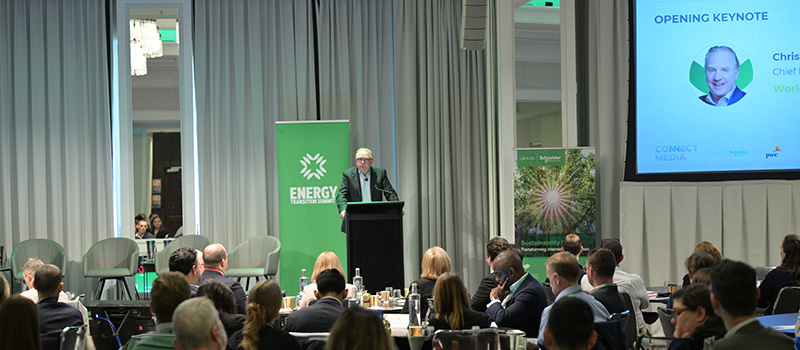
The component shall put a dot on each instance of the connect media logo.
(313, 166)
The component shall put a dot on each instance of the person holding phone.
(518, 300)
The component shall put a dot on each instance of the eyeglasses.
(676, 313)
(363, 160)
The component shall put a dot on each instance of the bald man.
(216, 262)
(518, 300)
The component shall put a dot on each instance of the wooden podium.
(375, 243)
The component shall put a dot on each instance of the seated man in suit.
(189, 262)
(28, 273)
(216, 263)
(518, 300)
(320, 316)
(169, 290)
(570, 326)
(733, 296)
(562, 270)
(363, 183)
(481, 297)
(601, 264)
(141, 230)
(53, 316)
(197, 326)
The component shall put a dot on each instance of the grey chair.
(665, 315)
(788, 301)
(255, 257)
(191, 241)
(47, 250)
(73, 337)
(630, 327)
(762, 271)
(111, 258)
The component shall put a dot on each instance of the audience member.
(481, 296)
(698, 260)
(320, 317)
(451, 302)
(785, 275)
(708, 248)
(19, 324)
(5, 289)
(222, 297)
(169, 290)
(694, 318)
(733, 296)
(216, 263)
(702, 276)
(325, 260)
(189, 262)
(359, 329)
(573, 244)
(53, 315)
(435, 262)
(626, 282)
(28, 272)
(158, 229)
(570, 326)
(562, 270)
(518, 300)
(259, 332)
(142, 230)
(600, 265)
(197, 326)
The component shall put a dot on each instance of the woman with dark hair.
(785, 275)
(19, 324)
(694, 318)
(359, 329)
(4, 289)
(451, 302)
(222, 297)
(157, 227)
(259, 330)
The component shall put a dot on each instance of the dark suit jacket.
(53, 317)
(737, 95)
(238, 292)
(315, 318)
(755, 336)
(524, 310)
(610, 298)
(481, 297)
(269, 338)
(146, 235)
(350, 189)
(468, 319)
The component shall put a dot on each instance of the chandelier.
(145, 43)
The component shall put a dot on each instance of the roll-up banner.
(311, 158)
(554, 195)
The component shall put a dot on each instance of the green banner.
(554, 195)
(311, 158)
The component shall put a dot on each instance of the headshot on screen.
(721, 72)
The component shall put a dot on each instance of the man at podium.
(363, 183)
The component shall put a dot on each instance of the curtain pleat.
(55, 147)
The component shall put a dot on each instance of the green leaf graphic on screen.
(697, 75)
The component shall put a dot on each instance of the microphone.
(382, 190)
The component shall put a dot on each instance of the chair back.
(631, 328)
(665, 315)
(73, 337)
(111, 257)
(190, 241)
(610, 335)
(788, 301)
(256, 256)
(311, 341)
(491, 339)
(47, 250)
(762, 271)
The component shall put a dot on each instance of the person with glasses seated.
(694, 318)
(363, 183)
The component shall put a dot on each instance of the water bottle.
(413, 306)
(358, 281)
(303, 281)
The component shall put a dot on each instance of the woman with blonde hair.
(259, 332)
(705, 247)
(325, 260)
(435, 262)
(359, 329)
(452, 305)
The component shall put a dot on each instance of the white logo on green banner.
(313, 166)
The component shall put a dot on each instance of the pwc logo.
(774, 154)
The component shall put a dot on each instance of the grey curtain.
(55, 147)
(254, 66)
(442, 137)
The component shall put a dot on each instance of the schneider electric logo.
(313, 166)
